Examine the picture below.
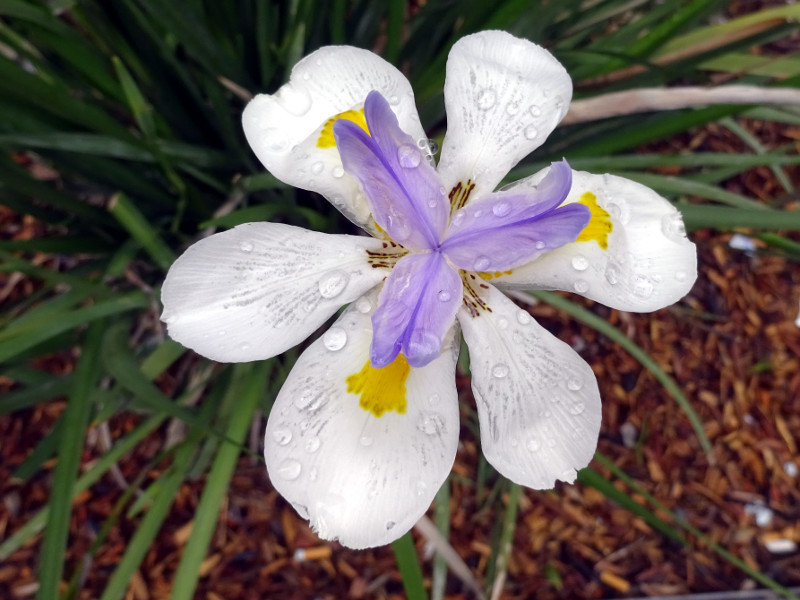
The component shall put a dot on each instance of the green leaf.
(408, 563)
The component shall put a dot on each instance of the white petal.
(361, 479)
(649, 262)
(258, 289)
(504, 96)
(538, 402)
(283, 128)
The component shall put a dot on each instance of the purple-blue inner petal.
(402, 188)
(506, 229)
(416, 307)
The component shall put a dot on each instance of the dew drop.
(501, 209)
(577, 409)
(643, 287)
(430, 424)
(244, 346)
(317, 167)
(389, 525)
(523, 317)
(409, 156)
(366, 441)
(533, 445)
(444, 296)
(574, 384)
(337, 172)
(580, 286)
(540, 245)
(486, 99)
(680, 275)
(334, 339)
(531, 132)
(512, 107)
(333, 283)
(312, 444)
(481, 263)
(277, 140)
(421, 487)
(432, 203)
(535, 110)
(363, 305)
(500, 371)
(502, 323)
(282, 436)
(580, 262)
(673, 228)
(394, 100)
(477, 214)
(290, 469)
(611, 275)
(246, 246)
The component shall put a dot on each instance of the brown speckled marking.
(387, 259)
(460, 194)
(472, 299)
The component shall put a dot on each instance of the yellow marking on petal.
(383, 389)
(326, 138)
(599, 225)
(487, 276)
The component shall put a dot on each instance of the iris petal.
(507, 229)
(416, 308)
(403, 190)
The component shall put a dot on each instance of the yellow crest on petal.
(381, 390)
(326, 138)
(599, 225)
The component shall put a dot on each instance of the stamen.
(381, 390)
(326, 138)
(599, 226)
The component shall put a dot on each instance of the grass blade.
(405, 553)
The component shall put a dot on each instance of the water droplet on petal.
(312, 444)
(533, 445)
(535, 110)
(673, 227)
(501, 209)
(363, 305)
(432, 203)
(580, 262)
(290, 469)
(486, 99)
(394, 100)
(612, 276)
(304, 399)
(502, 323)
(317, 167)
(409, 156)
(282, 436)
(389, 525)
(481, 263)
(337, 172)
(531, 132)
(523, 317)
(277, 140)
(246, 246)
(421, 487)
(577, 409)
(334, 339)
(332, 284)
(540, 245)
(500, 370)
(680, 275)
(643, 287)
(444, 296)
(581, 286)
(430, 424)
(366, 441)
(574, 384)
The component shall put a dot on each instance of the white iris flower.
(365, 429)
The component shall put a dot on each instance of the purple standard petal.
(416, 307)
(403, 189)
(507, 229)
